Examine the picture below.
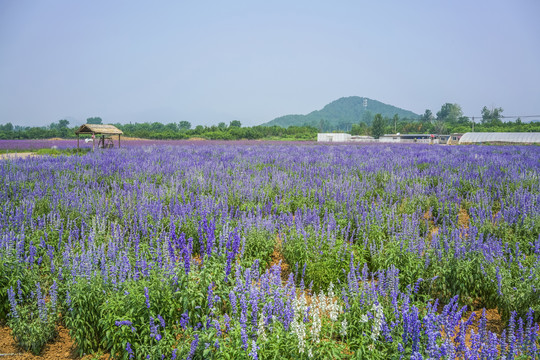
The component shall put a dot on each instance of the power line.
(523, 116)
(508, 116)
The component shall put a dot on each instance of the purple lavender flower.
(129, 350)
(254, 348)
(232, 298)
(161, 321)
(228, 266)
(194, 345)
(417, 285)
(244, 338)
(227, 321)
(146, 295)
(42, 306)
(499, 281)
(12, 302)
(210, 295)
(54, 295)
(154, 329)
(184, 320)
(123, 323)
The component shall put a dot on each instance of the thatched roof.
(99, 129)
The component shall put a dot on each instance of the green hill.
(342, 113)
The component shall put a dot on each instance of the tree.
(60, 128)
(94, 120)
(427, 117)
(367, 117)
(344, 126)
(184, 125)
(439, 126)
(359, 129)
(171, 127)
(235, 123)
(324, 125)
(199, 129)
(463, 120)
(222, 126)
(377, 128)
(157, 127)
(449, 113)
(395, 120)
(492, 117)
(7, 128)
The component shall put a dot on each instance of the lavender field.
(275, 251)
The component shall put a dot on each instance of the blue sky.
(212, 61)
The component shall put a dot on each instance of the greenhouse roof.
(507, 137)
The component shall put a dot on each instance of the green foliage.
(184, 125)
(12, 270)
(84, 314)
(41, 207)
(235, 123)
(259, 244)
(377, 129)
(131, 305)
(492, 117)
(449, 113)
(58, 152)
(342, 113)
(34, 321)
(94, 120)
(324, 259)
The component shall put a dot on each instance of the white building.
(333, 137)
(362, 138)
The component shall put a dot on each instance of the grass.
(57, 152)
(11, 151)
(52, 152)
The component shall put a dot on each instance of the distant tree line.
(449, 119)
(156, 130)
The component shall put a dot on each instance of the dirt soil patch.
(463, 218)
(278, 259)
(61, 348)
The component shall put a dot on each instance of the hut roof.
(98, 129)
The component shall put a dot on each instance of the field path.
(17, 155)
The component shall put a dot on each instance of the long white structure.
(500, 137)
(333, 137)
(343, 137)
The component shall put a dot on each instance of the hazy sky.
(212, 61)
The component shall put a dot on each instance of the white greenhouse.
(500, 137)
(333, 137)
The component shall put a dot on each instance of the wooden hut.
(104, 133)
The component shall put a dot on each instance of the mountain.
(342, 113)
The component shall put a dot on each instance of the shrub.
(32, 319)
(85, 299)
